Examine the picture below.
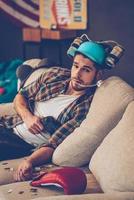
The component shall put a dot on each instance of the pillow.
(34, 76)
(28, 75)
(113, 162)
(34, 62)
(108, 105)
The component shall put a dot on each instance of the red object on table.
(71, 179)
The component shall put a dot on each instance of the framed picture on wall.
(63, 14)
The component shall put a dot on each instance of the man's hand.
(24, 171)
(37, 158)
(33, 124)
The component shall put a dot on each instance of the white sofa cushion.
(32, 62)
(113, 162)
(108, 105)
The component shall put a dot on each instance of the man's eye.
(76, 66)
(86, 70)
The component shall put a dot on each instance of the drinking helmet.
(93, 51)
(104, 53)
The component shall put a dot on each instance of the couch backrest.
(107, 108)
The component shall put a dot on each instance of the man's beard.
(77, 85)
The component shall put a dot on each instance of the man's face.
(83, 72)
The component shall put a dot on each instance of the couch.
(102, 147)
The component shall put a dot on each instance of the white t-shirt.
(52, 107)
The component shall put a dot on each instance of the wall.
(113, 19)
(108, 19)
(10, 40)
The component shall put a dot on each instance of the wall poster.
(63, 14)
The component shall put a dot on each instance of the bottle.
(114, 56)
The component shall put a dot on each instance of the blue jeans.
(12, 146)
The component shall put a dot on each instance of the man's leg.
(12, 146)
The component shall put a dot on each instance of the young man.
(63, 94)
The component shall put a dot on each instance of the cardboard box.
(63, 14)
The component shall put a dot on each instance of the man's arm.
(31, 92)
(40, 156)
(45, 153)
(21, 106)
(32, 122)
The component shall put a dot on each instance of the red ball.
(2, 90)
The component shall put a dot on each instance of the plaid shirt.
(49, 85)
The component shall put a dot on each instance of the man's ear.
(99, 75)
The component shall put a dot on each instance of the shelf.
(37, 34)
(57, 35)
